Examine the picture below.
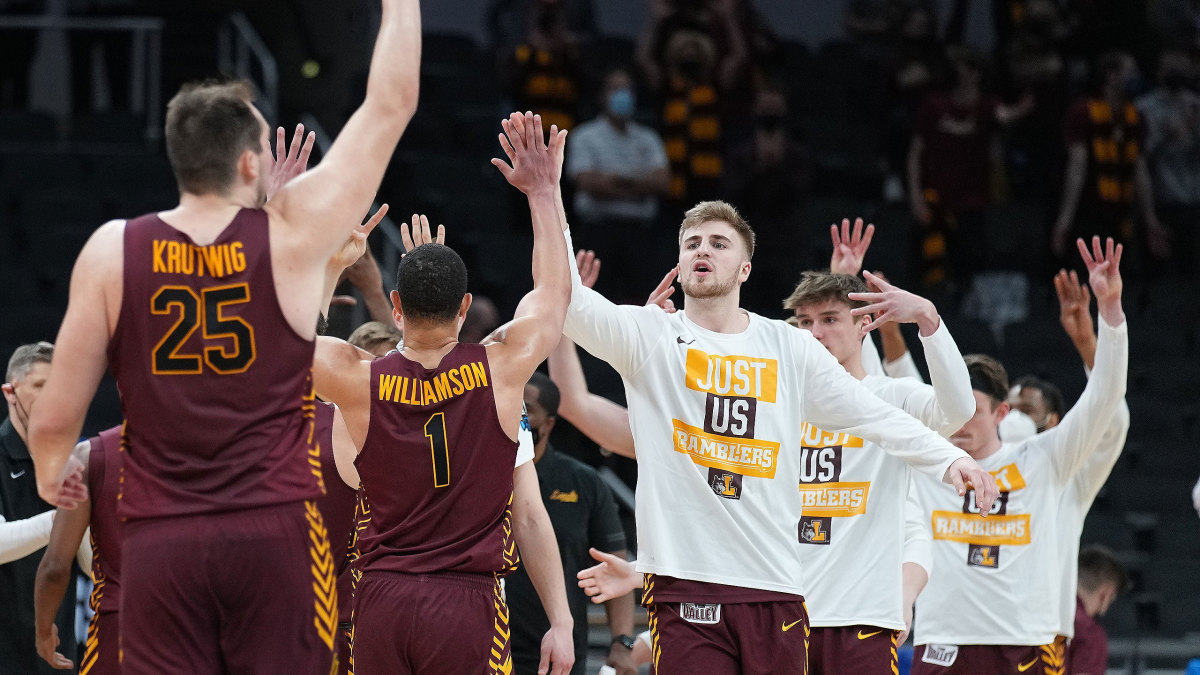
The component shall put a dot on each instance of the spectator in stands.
(584, 515)
(620, 171)
(1106, 174)
(24, 378)
(16, 53)
(508, 22)
(692, 55)
(950, 172)
(543, 71)
(1171, 112)
(770, 177)
(1102, 578)
(376, 337)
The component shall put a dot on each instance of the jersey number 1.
(167, 359)
(435, 431)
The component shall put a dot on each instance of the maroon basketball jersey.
(215, 385)
(338, 506)
(437, 468)
(104, 486)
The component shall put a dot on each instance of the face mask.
(622, 103)
(537, 435)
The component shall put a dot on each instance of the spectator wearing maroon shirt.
(1101, 578)
(1107, 175)
(949, 171)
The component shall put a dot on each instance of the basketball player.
(101, 455)
(1011, 626)
(445, 415)
(210, 311)
(734, 393)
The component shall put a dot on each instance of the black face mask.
(691, 68)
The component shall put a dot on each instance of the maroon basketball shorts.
(852, 649)
(450, 623)
(748, 637)
(241, 592)
(934, 659)
(102, 652)
(343, 660)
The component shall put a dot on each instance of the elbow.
(53, 572)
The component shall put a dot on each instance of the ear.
(397, 311)
(864, 321)
(9, 391)
(248, 166)
(744, 272)
(550, 420)
(1002, 411)
(466, 304)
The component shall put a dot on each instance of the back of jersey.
(437, 468)
(215, 384)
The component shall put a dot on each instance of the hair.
(548, 396)
(1097, 565)
(375, 334)
(988, 377)
(209, 125)
(24, 358)
(816, 287)
(724, 212)
(1051, 394)
(431, 280)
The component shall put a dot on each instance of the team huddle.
(282, 502)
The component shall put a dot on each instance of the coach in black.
(584, 515)
(23, 379)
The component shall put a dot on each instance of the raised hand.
(534, 166)
(1104, 276)
(612, 578)
(420, 233)
(661, 295)
(289, 161)
(356, 245)
(589, 267)
(849, 248)
(1074, 302)
(890, 303)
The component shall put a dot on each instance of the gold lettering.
(480, 373)
(402, 384)
(468, 377)
(427, 391)
(455, 384)
(441, 386)
(216, 265)
(160, 265)
(172, 257)
(187, 259)
(387, 385)
(239, 257)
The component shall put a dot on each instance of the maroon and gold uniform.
(102, 652)
(339, 507)
(1017, 660)
(227, 562)
(436, 467)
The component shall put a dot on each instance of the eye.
(692, 245)
(719, 244)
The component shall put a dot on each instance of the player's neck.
(854, 366)
(427, 346)
(991, 448)
(718, 314)
(202, 216)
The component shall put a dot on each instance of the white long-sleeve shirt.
(19, 538)
(854, 570)
(717, 419)
(997, 580)
(1073, 508)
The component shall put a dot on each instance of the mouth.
(702, 267)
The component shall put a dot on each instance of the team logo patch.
(983, 556)
(567, 497)
(704, 614)
(940, 655)
(814, 529)
(725, 484)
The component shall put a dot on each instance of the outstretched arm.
(1074, 313)
(539, 552)
(54, 573)
(613, 577)
(324, 201)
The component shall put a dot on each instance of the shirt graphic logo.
(732, 375)
(983, 556)
(702, 614)
(725, 484)
(814, 530)
(864, 636)
(1022, 667)
(566, 497)
(969, 528)
(679, 340)
(940, 655)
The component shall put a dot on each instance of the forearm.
(550, 276)
(379, 308)
(914, 580)
(1072, 185)
(394, 78)
(1086, 346)
(1079, 434)
(953, 402)
(539, 553)
(19, 538)
(601, 420)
